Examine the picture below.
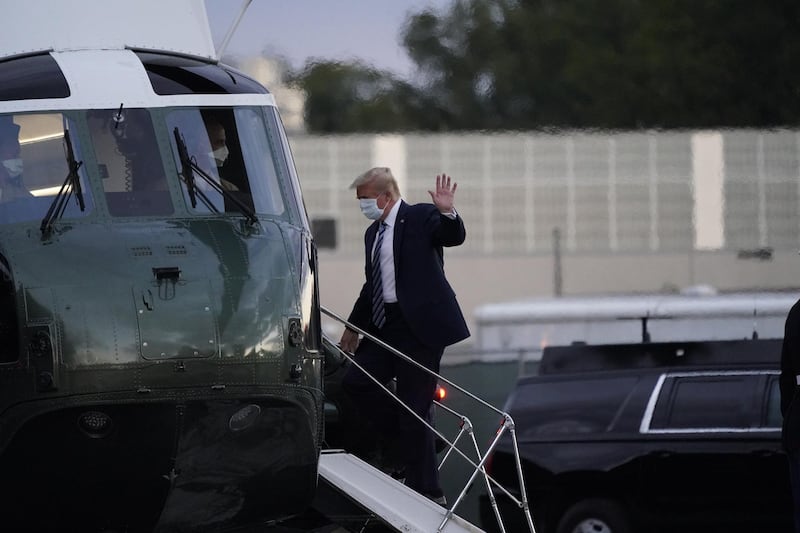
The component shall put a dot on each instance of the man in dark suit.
(407, 303)
(790, 403)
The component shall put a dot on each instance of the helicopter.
(161, 361)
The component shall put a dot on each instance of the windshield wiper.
(71, 184)
(186, 166)
(189, 166)
(187, 173)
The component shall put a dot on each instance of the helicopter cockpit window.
(129, 162)
(232, 153)
(32, 77)
(171, 74)
(34, 167)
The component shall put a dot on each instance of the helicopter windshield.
(129, 162)
(34, 167)
(232, 148)
(130, 158)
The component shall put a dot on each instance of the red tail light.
(440, 393)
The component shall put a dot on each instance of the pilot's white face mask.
(220, 155)
(13, 167)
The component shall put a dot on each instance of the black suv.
(649, 437)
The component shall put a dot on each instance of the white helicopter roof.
(95, 45)
(178, 26)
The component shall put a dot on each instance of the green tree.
(532, 64)
(351, 97)
(610, 63)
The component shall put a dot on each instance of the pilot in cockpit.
(219, 154)
(11, 183)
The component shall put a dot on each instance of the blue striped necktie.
(378, 312)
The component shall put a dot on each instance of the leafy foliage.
(532, 64)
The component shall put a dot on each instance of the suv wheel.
(594, 515)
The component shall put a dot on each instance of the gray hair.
(383, 179)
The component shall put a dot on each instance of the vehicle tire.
(594, 515)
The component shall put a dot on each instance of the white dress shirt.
(387, 255)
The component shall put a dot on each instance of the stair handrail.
(506, 425)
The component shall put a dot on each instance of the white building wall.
(708, 171)
(606, 193)
(636, 211)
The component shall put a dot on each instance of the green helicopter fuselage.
(160, 357)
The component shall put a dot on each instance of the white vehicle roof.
(520, 330)
(574, 308)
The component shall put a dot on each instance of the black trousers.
(415, 387)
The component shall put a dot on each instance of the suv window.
(559, 407)
(706, 402)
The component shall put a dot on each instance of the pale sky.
(368, 30)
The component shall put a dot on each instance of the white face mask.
(369, 206)
(220, 155)
(13, 167)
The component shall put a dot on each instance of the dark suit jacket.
(426, 299)
(790, 369)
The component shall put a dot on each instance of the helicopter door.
(176, 320)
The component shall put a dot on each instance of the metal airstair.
(399, 507)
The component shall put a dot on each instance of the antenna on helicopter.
(119, 120)
(232, 29)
